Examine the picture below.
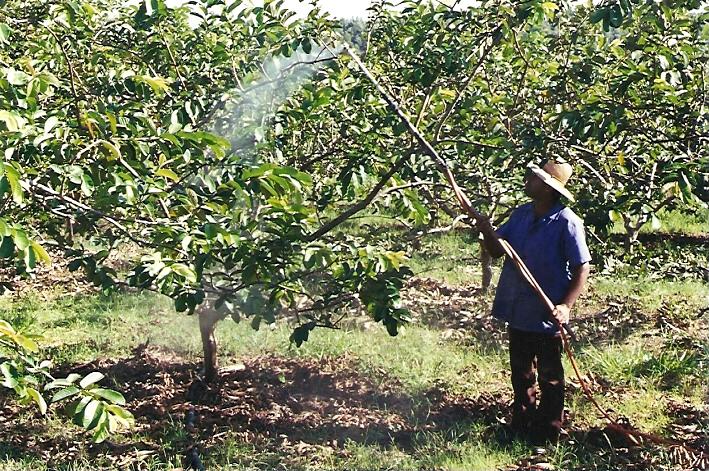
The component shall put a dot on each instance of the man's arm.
(492, 245)
(578, 281)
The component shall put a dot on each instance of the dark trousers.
(531, 355)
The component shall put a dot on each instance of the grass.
(451, 257)
(678, 222)
(674, 222)
(79, 330)
(649, 366)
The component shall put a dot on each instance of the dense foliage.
(143, 124)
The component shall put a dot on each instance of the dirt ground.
(296, 407)
(300, 404)
(301, 407)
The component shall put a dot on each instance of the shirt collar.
(552, 211)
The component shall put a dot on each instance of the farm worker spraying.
(550, 240)
(551, 237)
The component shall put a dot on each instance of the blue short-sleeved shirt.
(551, 246)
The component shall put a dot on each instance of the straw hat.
(555, 174)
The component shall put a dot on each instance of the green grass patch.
(674, 222)
(679, 222)
(465, 448)
(452, 257)
(651, 295)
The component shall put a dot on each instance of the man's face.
(534, 187)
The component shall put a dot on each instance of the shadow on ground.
(279, 405)
(306, 402)
(463, 314)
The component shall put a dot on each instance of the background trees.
(144, 125)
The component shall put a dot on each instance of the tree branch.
(72, 73)
(465, 86)
(363, 203)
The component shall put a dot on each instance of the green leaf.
(59, 383)
(10, 375)
(167, 173)
(5, 33)
(615, 18)
(102, 430)
(151, 6)
(301, 333)
(307, 45)
(41, 253)
(11, 120)
(62, 382)
(64, 393)
(599, 14)
(37, 397)
(158, 84)
(16, 77)
(78, 408)
(211, 230)
(685, 188)
(655, 223)
(110, 395)
(91, 378)
(4, 185)
(29, 258)
(184, 271)
(7, 247)
(26, 343)
(120, 412)
(13, 178)
(87, 184)
(112, 122)
(6, 328)
(20, 238)
(92, 413)
(51, 122)
(113, 151)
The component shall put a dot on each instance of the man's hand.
(484, 225)
(492, 245)
(562, 313)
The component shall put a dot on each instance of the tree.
(106, 112)
(625, 103)
(127, 124)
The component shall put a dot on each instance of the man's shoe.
(542, 436)
(505, 434)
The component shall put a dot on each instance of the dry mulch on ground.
(294, 403)
(44, 279)
(289, 406)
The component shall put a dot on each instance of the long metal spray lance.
(510, 252)
(460, 195)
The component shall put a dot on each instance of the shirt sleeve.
(507, 228)
(575, 247)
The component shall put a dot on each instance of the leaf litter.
(305, 407)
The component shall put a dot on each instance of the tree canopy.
(130, 124)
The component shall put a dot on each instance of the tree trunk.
(486, 263)
(631, 234)
(207, 321)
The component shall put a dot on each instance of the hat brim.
(552, 182)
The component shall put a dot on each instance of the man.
(550, 239)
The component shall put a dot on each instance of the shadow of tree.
(283, 405)
(317, 402)
(463, 313)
